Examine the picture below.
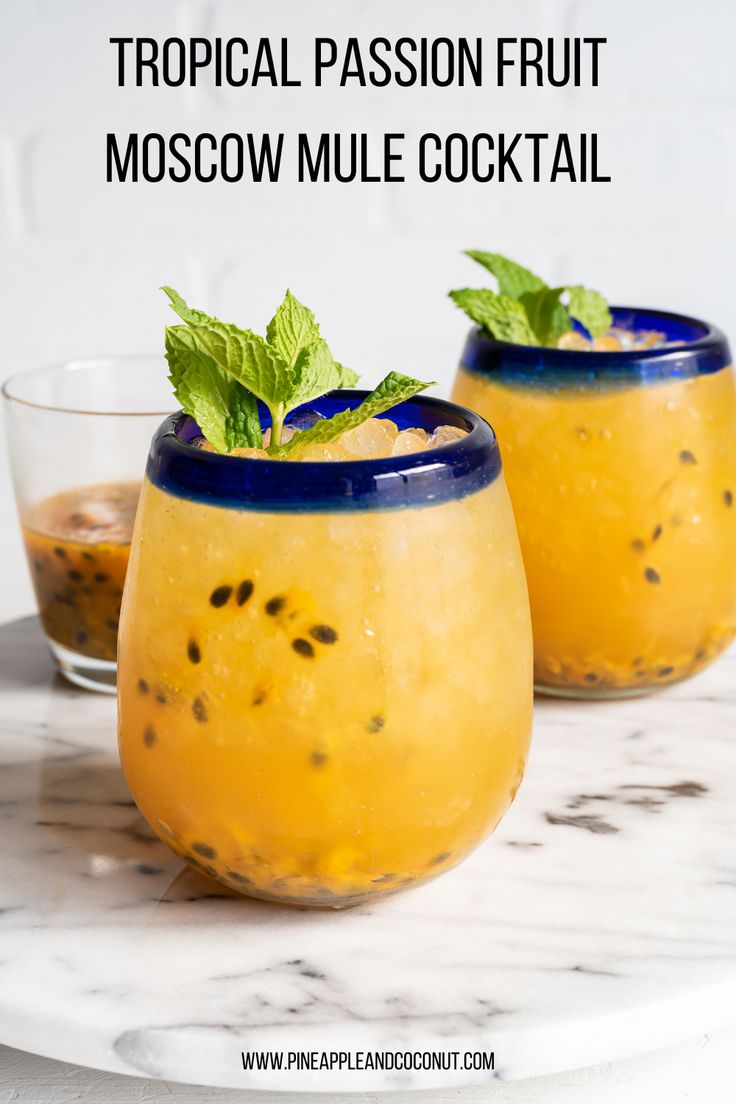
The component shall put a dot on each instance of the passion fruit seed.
(638, 546)
(323, 634)
(376, 723)
(194, 652)
(149, 736)
(442, 857)
(728, 498)
(657, 533)
(302, 647)
(244, 592)
(75, 576)
(275, 605)
(204, 850)
(60, 553)
(199, 709)
(686, 457)
(652, 575)
(64, 599)
(220, 595)
(318, 758)
(101, 577)
(663, 672)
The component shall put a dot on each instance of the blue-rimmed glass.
(622, 472)
(325, 668)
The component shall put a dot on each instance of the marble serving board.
(598, 922)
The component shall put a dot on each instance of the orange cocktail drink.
(325, 667)
(622, 472)
(77, 544)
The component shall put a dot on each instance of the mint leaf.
(224, 410)
(294, 333)
(513, 279)
(247, 357)
(590, 309)
(317, 372)
(394, 389)
(503, 317)
(191, 317)
(243, 425)
(547, 316)
(292, 329)
(241, 353)
(347, 377)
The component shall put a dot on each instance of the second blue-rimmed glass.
(325, 668)
(622, 473)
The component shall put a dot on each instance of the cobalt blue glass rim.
(703, 350)
(451, 471)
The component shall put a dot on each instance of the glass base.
(323, 904)
(602, 693)
(92, 674)
(319, 901)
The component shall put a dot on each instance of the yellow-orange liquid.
(77, 544)
(625, 503)
(323, 707)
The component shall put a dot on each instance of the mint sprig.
(547, 312)
(393, 389)
(219, 371)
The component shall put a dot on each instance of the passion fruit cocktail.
(325, 666)
(621, 464)
(325, 646)
(77, 544)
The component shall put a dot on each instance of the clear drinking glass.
(78, 436)
(325, 684)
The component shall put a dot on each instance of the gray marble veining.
(597, 922)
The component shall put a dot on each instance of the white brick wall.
(80, 260)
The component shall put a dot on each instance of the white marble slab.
(597, 923)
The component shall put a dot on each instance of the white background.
(81, 260)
